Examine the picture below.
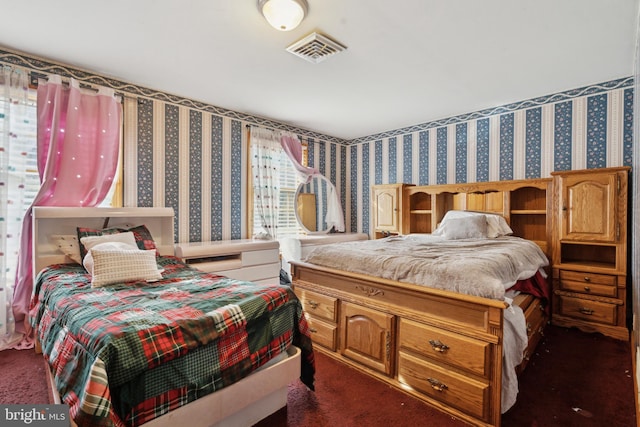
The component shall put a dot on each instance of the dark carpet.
(573, 379)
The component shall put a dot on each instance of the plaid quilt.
(125, 354)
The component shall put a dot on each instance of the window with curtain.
(267, 154)
(19, 180)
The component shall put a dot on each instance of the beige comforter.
(480, 267)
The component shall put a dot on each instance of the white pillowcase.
(473, 227)
(496, 224)
(91, 241)
(115, 262)
(88, 263)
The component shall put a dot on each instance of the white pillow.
(113, 265)
(473, 227)
(496, 224)
(88, 263)
(68, 244)
(91, 241)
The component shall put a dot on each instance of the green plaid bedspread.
(125, 354)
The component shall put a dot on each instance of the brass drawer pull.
(313, 304)
(587, 289)
(587, 278)
(438, 346)
(437, 385)
(585, 310)
(313, 330)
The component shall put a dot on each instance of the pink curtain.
(78, 145)
(292, 146)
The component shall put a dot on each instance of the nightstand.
(590, 251)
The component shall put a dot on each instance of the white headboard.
(59, 220)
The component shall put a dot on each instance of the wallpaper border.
(506, 108)
(45, 66)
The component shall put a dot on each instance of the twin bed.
(161, 347)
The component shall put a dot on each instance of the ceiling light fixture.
(283, 15)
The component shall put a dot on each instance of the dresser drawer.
(456, 350)
(462, 392)
(323, 333)
(320, 306)
(592, 311)
(588, 283)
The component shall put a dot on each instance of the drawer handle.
(313, 330)
(587, 289)
(587, 278)
(585, 310)
(438, 346)
(437, 385)
(528, 327)
(313, 304)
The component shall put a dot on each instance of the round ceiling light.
(283, 15)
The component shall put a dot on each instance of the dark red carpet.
(573, 379)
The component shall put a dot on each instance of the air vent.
(315, 48)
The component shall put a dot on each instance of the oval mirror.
(311, 205)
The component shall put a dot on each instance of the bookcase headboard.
(525, 204)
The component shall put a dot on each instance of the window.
(23, 182)
(286, 180)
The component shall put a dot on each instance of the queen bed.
(448, 309)
(136, 337)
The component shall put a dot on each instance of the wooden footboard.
(441, 347)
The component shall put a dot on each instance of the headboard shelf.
(48, 221)
(525, 204)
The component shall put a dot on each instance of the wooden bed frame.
(243, 403)
(442, 347)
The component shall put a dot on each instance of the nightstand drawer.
(448, 347)
(583, 277)
(323, 333)
(592, 311)
(588, 283)
(318, 305)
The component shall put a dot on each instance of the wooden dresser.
(590, 250)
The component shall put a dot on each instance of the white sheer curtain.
(18, 181)
(265, 168)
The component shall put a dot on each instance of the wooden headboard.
(60, 220)
(525, 204)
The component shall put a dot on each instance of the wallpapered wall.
(193, 156)
(196, 162)
(589, 127)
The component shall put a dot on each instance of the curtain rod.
(35, 76)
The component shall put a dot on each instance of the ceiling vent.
(315, 48)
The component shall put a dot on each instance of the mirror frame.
(320, 221)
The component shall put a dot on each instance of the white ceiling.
(407, 61)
